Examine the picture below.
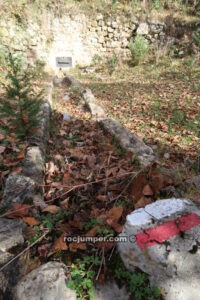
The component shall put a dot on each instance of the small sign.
(64, 62)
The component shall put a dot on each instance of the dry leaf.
(147, 190)
(31, 221)
(59, 244)
(19, 210)
(117, 227)
(75, 246)
(21, 155)
(142, 202)
(65, 203)
(2, 149)
(114, 214)
(53, 209)
(102, 198)
(92, 232)
(137, 186)
(101, 279)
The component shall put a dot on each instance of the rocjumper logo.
(96, 239)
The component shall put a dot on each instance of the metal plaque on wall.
(64, 62)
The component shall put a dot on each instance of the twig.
(133, 177)
(24, 251)
(111, 254)
(100, 267)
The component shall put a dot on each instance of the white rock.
(143, 29)
(66, 97)
(99, 17)
(48, 282)
(167, 155)
(66, 117)
(11, 234)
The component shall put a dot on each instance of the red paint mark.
(158, 234)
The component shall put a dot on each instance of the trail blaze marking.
(158, 234)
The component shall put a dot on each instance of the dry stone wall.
(81, 37)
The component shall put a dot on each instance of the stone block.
(163, 241)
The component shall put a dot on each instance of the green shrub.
(112, 63)
(20, 104)
(156, 4)
(139, 48)
(137, 283)
(196, 38)
(82, 277)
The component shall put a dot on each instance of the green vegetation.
(83, 276)
(138, 48)
(197, 37)
(137, 283)
(83, 273)
(21, 10)
(112, 63)
(20, 103)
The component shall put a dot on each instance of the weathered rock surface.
(11, 235)
(66, 97)
(143, 29)
(96, 110)
(19, 189)
(33, 165)
(66, 117)
(164, 239)
(129, 141)
(110, 291)
(70, 80)
(48, 282)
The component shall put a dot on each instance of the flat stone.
(143, 29)
(48, 282)
(129, 141)
(18, 189)
(110, 291)
(164, 240)
(96, 110)
(33, 164)
(99, 17)
(66, 97)
(11, 233)
(66, 117)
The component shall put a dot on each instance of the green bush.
(196, 37)
(20, 103)
(112, 63)
(139, 48)
(156, 4)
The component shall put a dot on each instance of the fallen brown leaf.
(2, 149)
(75, 246)
(53, 209)
(65, 203)
(59, 244)
(114, 214)
(142, 202)
(147, 190)
(19, 210)
(31, 221)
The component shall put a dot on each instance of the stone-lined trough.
(127, 140)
